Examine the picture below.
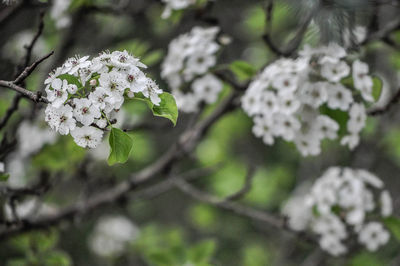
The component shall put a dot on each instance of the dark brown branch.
(28, 70)
(183, 146)
(36, 97)
(277, 222)
(39, 32)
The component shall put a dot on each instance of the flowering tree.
(285, 151)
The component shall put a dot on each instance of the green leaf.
(167, 108)
(242, 70)
(393, 223)
(161, 258)
(366, 259)
(202, 252)
(4, 177)
(71, 79)
(377, 88)
(57, 258)
(121, 145)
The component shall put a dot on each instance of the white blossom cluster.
(175, 5)
(84, 111)
(288, 98)
(342, 203)
(112, 235)
(190, 56)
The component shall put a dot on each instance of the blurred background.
(169, 227)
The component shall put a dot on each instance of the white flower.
(332, 245)
(362, 81)
(327, 127)
(85, 112)
(66, 122)
(285, 82)
(263, 128)
(288, 103)
(373, 235)
(152, 91)
(2, 167)
(114, 81)
(136, 79)
(190, 56)
(308, 144)
(298, 213)
(53, 75)
(57, 94)
(286, 126)
(269, 103)
(199, 64)
(351, 140)
(357, 119)
(207, 88)
(87, 137)
(370, 178)
(101, 123)
(334, 72)
(101, 98)
(386, 204)
(111, 235)
(73, 64)
(60, 119)
(72, 88)
(339, 97)
(314, 94)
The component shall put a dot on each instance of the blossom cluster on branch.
(294, 98)
(185, 68)
(343, 202)
(84, 94)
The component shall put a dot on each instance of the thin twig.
(28, 70)
(36, 97)
(246, 187)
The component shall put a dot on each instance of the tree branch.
(185, 144)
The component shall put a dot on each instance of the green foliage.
(167, 247)
(71, 79)
(393, 223)
(203, 216)
(377, 88)
(270, 186)
(4, 177)
(366, 259)
(120, 146)
(64, 155)
(167, 107)
(391, 142)
(255, 255)
(38, 248)
(242, 70)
